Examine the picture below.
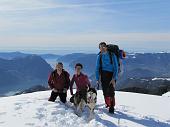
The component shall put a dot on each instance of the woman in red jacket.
(81, 80)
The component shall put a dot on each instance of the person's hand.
(54, 90)
(49, 87)
(87, 87)
(64, 90)
(113, 82)
(98, 84)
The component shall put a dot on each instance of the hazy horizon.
(69, 50)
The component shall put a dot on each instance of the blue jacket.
(106, 65)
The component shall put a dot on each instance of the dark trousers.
(54, 95)
(108, 89)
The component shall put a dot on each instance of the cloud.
(83, 39)
(30, 23)
(21, 5)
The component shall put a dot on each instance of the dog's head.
(92, 90)
(91, 95)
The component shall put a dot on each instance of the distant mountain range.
(155, 86)
(136, 66)
(88, 61)
(71, 57)
(147, 65)
(12, 55)
(49, 56)
(20, 70)
(23, 72)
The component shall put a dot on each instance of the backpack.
(113, 49)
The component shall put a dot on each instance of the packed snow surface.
(132, 110)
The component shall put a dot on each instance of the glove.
(87, 87)
(98, 85)
(112, 82)
(64, 90)
(54, 90)
(50, 86)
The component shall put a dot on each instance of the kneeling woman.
(81, 80)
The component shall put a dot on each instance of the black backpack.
(113, 49)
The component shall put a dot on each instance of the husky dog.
(85, 98)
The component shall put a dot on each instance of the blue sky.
(136, 25)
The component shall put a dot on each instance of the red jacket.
(82, 82)
(59, 82)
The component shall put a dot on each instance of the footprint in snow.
(41, 109)
(18, 103)
(28, 102)
(2, 113)
(125, 108)
(29, 124)
(2, 122)
(18, 107)
(48, 103)
(39, 116)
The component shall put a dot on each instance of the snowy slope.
(166, 94)
(132, 110)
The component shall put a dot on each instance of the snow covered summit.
(132, 110)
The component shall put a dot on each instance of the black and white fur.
(85, 98)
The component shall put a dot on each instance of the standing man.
(59, 83)
(107, 74)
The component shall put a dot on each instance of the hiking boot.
(111, 110)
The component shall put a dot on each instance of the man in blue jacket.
(107, 74)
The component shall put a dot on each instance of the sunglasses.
(102, 46)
